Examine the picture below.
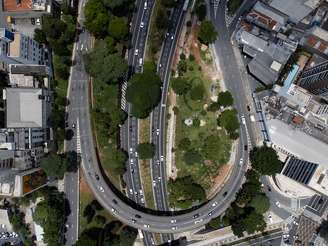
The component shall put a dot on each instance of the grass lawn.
(144, 167)
(202, 173)
(87, 197)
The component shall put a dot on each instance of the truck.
(252, 117)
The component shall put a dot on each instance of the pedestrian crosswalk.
(123, 91)
(78, 138)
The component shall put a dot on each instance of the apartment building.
(17, 48)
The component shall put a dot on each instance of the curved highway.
(131, 213)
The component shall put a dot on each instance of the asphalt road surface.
(128, 211)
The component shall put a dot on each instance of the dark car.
(195, 216)
(225, 193)
(114, 201)
(97, 176)
(245, 147)
(138, 216)
(248, 108)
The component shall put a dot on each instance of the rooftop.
(23, 5)
(297, 142)
(297, 10)
(24, 107)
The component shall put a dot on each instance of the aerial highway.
(131, 213)
(129, 131)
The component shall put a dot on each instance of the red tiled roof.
(15, 5)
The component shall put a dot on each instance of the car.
(159, 178)
(114, 210)
(140, 62)
(174, 228)
(67, 225)
(131, 150)
(142, 200)
(198, 221)
(154, 183)
(248, 108)
(145, 5)
(114, 201)
(278, 204)
(158, 162)
(133, 221)
(160, 65)
(225, 193)
(245, 147)
(146, 225)
(140, 191)
(136, 52)
(131, 191)
(132, 170)
(38, 21)
(96, 176)
(66, 124)
(131, 161)
(195, 216)
(214, 204)
(210, 213)
(172, 37)
(243, 120)
(32, 21)
(241, 161)
(269, 189)
(157, 132)
(73, 125)
(173, 221)
(101, 189)
(162, 158)
(142, 24)
(167, 34)
(138, 216)
(136, 154)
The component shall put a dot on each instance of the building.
(26, 107)
(315, 79)
(316, 38)
(296, 10)
(268, 57)
(267, 17)
(18, 48)
(14, 7)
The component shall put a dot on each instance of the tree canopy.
(184, 144)
(180, 85)
(229, 121)
(192, 157)
(225, 99)
(214, 149)
(184, 191)
(197, 92)
(260, 203)
(144, 93)
(105, 66)
(200, 10)
(207, 33)
(55, 165)
(118, 28)
(265, 160)
(50, 214)
(97, 17)
(146, 150)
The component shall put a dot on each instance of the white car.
(198, 221)
(101, 189)
(136, 154)
(241, 161)
(214, 204)
(172, 37)
(173, 221)
(131, 192)
(157, 132)
(158, 162)
(142, 24)
(38, 21)
(145, 5)
(154, 183)
(136, 52)
(146, 225)
(162, 158)
(140, 62)
(278, 204)
(131, 150)
(243, 120)
(174, 228)
(131, 161)
(159, 178)
(113, 210)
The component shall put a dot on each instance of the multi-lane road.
(128, 211)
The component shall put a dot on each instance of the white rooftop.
(297, 142)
